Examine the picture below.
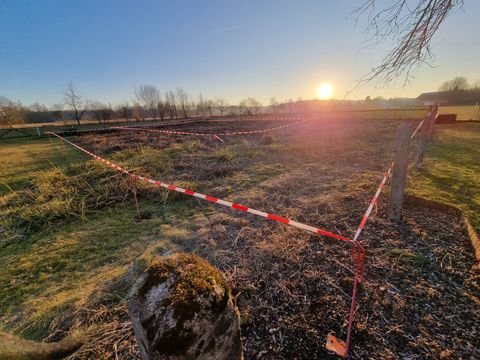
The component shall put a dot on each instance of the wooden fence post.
(425, 135)
(399, 176)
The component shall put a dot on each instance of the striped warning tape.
(208, 134)
(253, 119)
(212, 199)
(170, 123)
(373, 202)
(418, 127)
(358, 252)
(107, 128)
(381, 186)
(197, 120)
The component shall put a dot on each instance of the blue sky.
(232, 49)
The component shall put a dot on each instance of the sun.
(324, 91)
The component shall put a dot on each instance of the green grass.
(451, 171)
(69, 228)
(23, 157)
(43, 276)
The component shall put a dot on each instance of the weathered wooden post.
(399, 176)
(14, 347)
(425, 135)
(182, 309)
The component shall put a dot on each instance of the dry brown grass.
(292, 288)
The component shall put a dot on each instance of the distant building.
(434, 97)
(452, 97)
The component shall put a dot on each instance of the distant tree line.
(459, 91)
(147, 103)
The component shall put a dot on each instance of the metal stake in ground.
(399, 176)
(134, 191)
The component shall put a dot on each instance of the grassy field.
(468, 112)
(22, 158)
(71, 243)
(452, 169)
(64, 238)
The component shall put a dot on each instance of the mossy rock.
(182, 308)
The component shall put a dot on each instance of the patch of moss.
(194, 277)
(194, 280)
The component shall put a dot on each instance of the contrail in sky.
(227, 28)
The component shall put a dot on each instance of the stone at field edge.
(182, 308)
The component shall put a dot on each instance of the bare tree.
(73, 99)
(210, 106)
(183, 101)
(148, 96)
(411, 26)
(171, 105)
(123, 110)
(234, 110)
(37, 113)
(162, 109)
(457, 83)
(221, 104)
(201, 106)
(12, 113)
(101, 112)
(137, 112)
(250, 106)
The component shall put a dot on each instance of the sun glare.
(324, 91)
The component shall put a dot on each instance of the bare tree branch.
(411, 25)
(148, 96)
(73, 99)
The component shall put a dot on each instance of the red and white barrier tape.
(208, 134)
(373, 202)
(171, 123)
(226, 203)
(358, 252)
(418, 127)
(250, 119)
(381, 186)
(107, 128)
(197, 120)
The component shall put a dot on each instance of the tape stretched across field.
(210, 120)
(381, 186)
(212, 199)
(127, 128)
(358, 252)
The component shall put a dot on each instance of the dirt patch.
(419, 299)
